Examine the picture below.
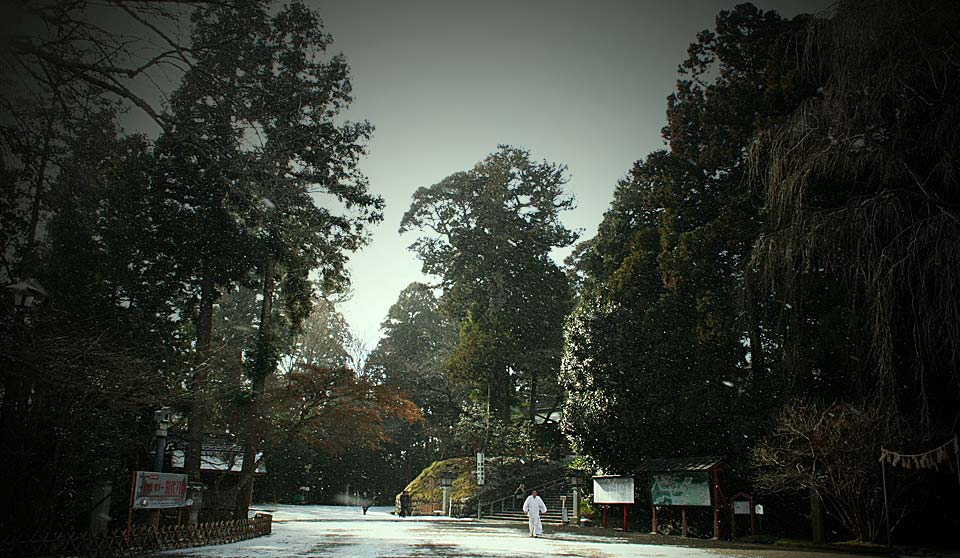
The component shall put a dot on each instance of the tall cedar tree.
(488, 233)
(662, 341)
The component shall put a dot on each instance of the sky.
(444, 82)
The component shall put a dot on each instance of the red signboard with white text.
(159, 490)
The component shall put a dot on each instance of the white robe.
(533, 507)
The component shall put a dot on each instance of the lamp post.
(576, 477)
(446, 481)
(162, 417)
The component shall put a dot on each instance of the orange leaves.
(335, 409)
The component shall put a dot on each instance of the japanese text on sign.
(159, 490)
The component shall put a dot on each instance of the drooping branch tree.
(861, 186)
(862, 183)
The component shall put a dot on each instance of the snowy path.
(344, 532)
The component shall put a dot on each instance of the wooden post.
(733, 521)
(683, 515)
(133, 488)
(753, 519)
(716, 503)
(624, 518)
(654, 526)
(956, 453)
(816, 516)
(886, 510)
(605, 516)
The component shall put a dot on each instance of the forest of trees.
(775, 287)
(192, 271)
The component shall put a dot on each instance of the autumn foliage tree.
(333, 409)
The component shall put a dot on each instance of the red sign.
(159, 490)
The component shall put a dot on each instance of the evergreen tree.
(662, 339)
(488, 236)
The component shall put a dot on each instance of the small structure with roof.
(684, 482)
(221, 462)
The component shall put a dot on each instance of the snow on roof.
(678, 464)
(217, 460)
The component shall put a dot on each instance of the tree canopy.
(487, 235)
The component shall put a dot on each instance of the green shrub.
(586, 508)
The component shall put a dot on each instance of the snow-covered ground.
(344, 532)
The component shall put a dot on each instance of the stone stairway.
(509, 510)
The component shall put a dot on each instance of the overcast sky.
(444, 82)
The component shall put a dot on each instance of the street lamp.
(576, 477)
(446, 481)
(163, 417)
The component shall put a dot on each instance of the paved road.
(342, 532)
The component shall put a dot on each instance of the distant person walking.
(533, 507)
(404, 504)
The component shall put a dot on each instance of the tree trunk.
(816, 517)
(262, 370)
(198, 383)
(533, 394)
(28, 262)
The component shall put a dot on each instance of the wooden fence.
(140, 540)
(427, 507)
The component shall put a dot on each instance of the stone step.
(548, 519)
(518, 514)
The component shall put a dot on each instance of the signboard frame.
(155, 491)
(617, 486)
(621, 490)
(680, 488)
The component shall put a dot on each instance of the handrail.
(540, 488)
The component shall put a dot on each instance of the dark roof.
(678, 464)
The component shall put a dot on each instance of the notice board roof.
(678, 464)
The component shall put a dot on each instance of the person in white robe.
(533, 507)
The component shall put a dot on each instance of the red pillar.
(654, 526)
(624, 517)
(605, 516)
(683, 514)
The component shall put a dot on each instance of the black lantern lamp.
(446, 481)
